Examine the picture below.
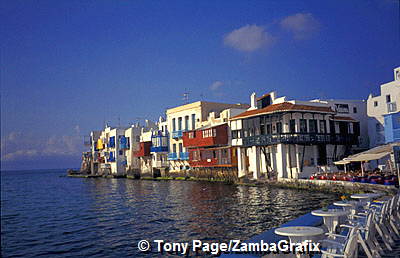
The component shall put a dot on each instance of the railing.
(298, 138)
(391, 107)
(184, 155)
(159, 149)
(177, 134)
(172, 156)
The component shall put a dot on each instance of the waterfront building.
(383, 113)
(209, 146)
(184, 118)
(110, 154)
(132, 135)
(137, 151)
(92, 157)
(290, 138)
(351, 110)
(144, 155)
(159, 148)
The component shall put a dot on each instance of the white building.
(290, 138)
(159, 148)
(188, 117)
(383, 112)
(354, 110)
(132, 134)
(112, 156)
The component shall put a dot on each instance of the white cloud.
(248, 38)
(216, 85)
(302, 25)
(18, 146)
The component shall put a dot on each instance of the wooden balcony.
(300, 138)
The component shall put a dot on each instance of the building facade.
(209, 146)
(289, 138)
(159, 148)
(383, 113)
(189, 117)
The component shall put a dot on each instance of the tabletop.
(365, 196)
(345, 204)
(299, 231)
(330, 213)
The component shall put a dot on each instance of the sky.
(67, 67)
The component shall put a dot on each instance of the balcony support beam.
(241, 162)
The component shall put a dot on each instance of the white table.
(298, 234)
(331, 217)
(347, 205)
(365, 197)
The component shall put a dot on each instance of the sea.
(44, 213)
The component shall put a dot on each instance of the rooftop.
(283, 107)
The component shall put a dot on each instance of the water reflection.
(106, 217)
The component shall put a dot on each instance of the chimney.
(273, 96)
(253, 102)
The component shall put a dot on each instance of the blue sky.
(68, 66)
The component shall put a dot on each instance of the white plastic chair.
(347, 249)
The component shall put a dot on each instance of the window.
(342, 108)
(235, 134)
(354, 110)
(388, 98)
(322, 126)
(375, 103)
(262, 125)
(209, 133)
(192, 135)
(179, 123)
(378, 127)
(193, 121)
(180, 147)
(269, 131)
(292, 126)
(186, 122)
(303, 125)
(332, 127)
(173, 124)
(174, 148)
(312, 124)
(279, 127)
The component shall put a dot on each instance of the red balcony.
(144, 149)
(210, 136)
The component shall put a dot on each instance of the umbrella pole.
(362, 169)
(345, 168)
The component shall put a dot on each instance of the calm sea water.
(46, 214)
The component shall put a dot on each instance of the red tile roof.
(283, 107)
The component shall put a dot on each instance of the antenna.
(185, 97)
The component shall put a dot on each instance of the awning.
(367, 157)
(341, 162)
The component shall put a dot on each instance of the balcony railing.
(184, 155)
(177, 134)
(159, 149)
(296, 138)
(172, 156)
